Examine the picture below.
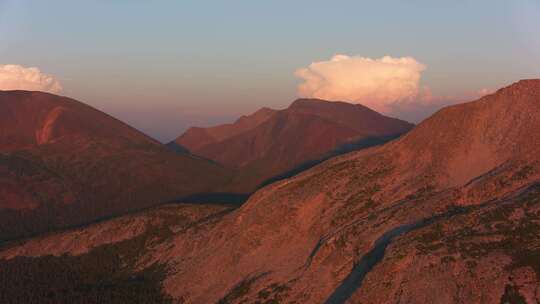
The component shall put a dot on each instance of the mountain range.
(272, 143)
(63, 163)
(446, 213)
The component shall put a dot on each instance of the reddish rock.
(64, 163)
(269, 143)
(300, 239)
(449, 213)
(196, 138)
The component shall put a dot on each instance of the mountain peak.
(307, 100)
(60, 156)
(256, 117)
(533, 82)
(472, 138)
(272, 142)
(195, 137)
(315, 101)
(321, 105)
(529, 87)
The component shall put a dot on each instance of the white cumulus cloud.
(16, 77)
(377, 83)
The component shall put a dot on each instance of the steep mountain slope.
(64, 163)
(447, 213)
(279, 141)
(196, 138)
(98, 263)
(302, 239)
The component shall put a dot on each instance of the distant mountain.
(63, 163)
(269, 143)
(449, 212)
(196, 138)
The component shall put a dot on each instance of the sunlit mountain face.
(460, 190)
(269, 145)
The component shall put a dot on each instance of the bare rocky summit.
(270, 143)
(63, 163)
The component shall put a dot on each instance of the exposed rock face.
(268, 142)
(98, 263)
(448, 213)
(486, 255)
(299, 239)
(64, 163)
(165, 219)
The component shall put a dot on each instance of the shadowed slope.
(64, 163)
(99, 265)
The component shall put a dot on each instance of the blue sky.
(163, 65)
